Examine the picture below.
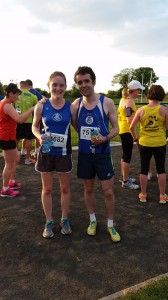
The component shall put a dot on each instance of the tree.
(1, 89)
(146, 76)
(123, 78)
(75, 92)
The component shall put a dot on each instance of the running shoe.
(113, 234)
(15, 185)
(65, 227)
(142, 198)
(130, 185)
(133, 180)
(163, 199)
(34, 155)
(29, 161)
(9, 193)
(91, 230)
(48, 230)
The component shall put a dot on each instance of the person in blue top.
(94, 114)
(55, 114)
(32, 90)
(1, 97)
(39, 97)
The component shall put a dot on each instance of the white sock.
(23, 151)
(5, 188)
(109, 223)
(92, 217)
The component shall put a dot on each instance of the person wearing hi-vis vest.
(56, 114)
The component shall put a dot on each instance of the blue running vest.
(94, 118)
(58, 122)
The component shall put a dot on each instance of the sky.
(39, 37)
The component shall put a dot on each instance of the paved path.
(79, 267)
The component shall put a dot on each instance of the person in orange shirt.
(8, 121)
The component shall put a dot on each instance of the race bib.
(59, 140)
(85, 132)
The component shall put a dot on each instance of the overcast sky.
(39, 37)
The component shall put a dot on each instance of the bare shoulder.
(108, 102)
(163, 110)
(75, 103)
(39, 106)
(74, 107)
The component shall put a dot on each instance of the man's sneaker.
(29, 161)
(129, 178)
(142, 197)
(15, 185)
(65, 227)
(9, 193)
(91, 230)
(130, 185)
(113, 234)
(163, 199)
(48, 230)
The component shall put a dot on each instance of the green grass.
(157, 290)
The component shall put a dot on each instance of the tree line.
(145, 75)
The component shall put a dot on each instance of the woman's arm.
(37, 121)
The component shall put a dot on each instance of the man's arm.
(74, 109)
(111, 111)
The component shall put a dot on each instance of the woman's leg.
(11, 158)
(64, 180)
(46, 195)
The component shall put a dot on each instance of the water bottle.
(46, 146)
(94, 133)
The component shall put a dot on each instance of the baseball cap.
(12, 87)
(135, 84)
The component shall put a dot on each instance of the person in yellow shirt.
(153, 119)
(126, 112)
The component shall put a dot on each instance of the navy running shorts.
(90, 165)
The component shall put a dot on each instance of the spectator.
(153, 119)
(32, 90)
(126, 112)
(24, 131)
(8, 120)
(39, 97)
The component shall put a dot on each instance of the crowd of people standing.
(92, 115)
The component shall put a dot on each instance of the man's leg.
(90, 203)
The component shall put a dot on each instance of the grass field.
(157, 290)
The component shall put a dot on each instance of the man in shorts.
(24, 131)
(94, 114)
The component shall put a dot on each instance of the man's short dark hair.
(29, 82)
(85, 70)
